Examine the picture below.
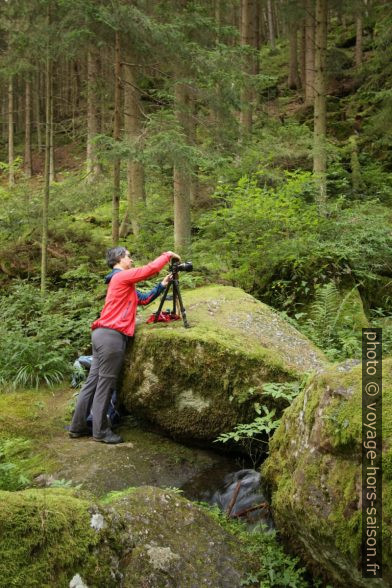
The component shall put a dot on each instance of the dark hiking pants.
(108, 355)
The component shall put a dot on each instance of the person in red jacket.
(109, 338)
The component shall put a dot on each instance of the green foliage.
(251, 230)
(254, 437)
(262, 425)
(273, 567)
(286, 390)
(15, 461)
(40, 335)
(328, 328)
(277, 568)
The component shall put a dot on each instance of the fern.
(326, 327)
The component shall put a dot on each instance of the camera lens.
(187, 266)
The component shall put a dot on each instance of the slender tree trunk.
(275, 18)
(93, 166)
(19, 119)
(358, 42)
(45, 203)
(135, 170)
(262, 26)
(116, 136)
(37, 108)
(320, 151)
(27, 150)
(194, 180)
(181, 179)
(4, 116)
(271, 30)
(293, 80)
(52, 171)
(11, 171)
(248, 38)
(309, 54)
(303, 58)
(218, 17)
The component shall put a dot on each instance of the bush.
(273, 243)
(42, 335)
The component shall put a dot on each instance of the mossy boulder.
(197, 383)
(314, 469)
(142, 537)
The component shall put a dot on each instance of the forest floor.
(145, 457)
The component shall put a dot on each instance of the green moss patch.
(314, 469)
(143, 536)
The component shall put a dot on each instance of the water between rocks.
(148, 458)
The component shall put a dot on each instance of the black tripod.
(176, 295)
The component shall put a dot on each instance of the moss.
(143, 536)
(314, 469)
(197, 383)
(33, 412)
(44, 537)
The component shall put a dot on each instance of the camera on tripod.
(176, 267)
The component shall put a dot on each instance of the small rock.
(77, 582)
(97, 522)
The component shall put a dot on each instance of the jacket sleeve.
(144, 298)
(139, 274)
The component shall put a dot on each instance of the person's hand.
(174, 256)
(166, 280)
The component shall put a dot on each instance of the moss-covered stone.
(196, 383)
(314, 469)
(142, 537)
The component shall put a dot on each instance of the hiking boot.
(110, 438)
(76, 434)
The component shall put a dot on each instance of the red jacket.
(119, 311)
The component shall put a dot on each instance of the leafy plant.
(272, 567)
(328, 328)
(15, 463)
(253, 437)
(41, 336)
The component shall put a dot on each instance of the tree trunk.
(27, 150)
(11, 171)
(293, 80)
(248, 38)
(93, 166)
(116, 136)
(309, 53)
(45, 203)
(181, 179)
(52, 173)
(319, 146)
(303, 58)
(37, 108)
(358, 42)
(271, 30)
(135, 170)
(4, 116)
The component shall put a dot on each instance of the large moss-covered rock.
(143, 537)
(314, 468)
(196, 383)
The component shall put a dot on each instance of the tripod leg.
(176, 290)
(158, 312)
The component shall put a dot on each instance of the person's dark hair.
(114, 255)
